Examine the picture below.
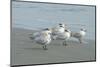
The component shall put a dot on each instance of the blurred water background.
(41, 15)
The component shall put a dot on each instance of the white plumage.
(64, 36)
(58, 30)
(42, 37)
(61, 33)
(79, 35)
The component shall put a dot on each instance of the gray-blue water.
(41, 15)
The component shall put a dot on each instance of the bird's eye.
(66, 30)
(60, 24)
(46, 29)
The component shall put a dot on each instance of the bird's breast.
(82, 33)
(61, 30)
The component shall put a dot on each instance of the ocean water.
(41, 15)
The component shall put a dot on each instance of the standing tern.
(79, 35)
(43, 38)
(64, 36)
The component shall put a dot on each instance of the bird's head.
(83, 29)
(67, 30)
(62, 25)
(48, 30)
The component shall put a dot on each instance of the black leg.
(80, 40)
(32, 38)
(64, 43)
(45, 47)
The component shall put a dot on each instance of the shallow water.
(40, 15)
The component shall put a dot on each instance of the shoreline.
(38, 30)
(25, 51)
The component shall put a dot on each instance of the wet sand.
(24, 51)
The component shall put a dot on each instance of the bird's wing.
(75, 34)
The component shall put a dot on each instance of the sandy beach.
(24, 51)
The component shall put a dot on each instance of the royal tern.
(64, 36)
(79, 35)
(60, 28)
(42, 37)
